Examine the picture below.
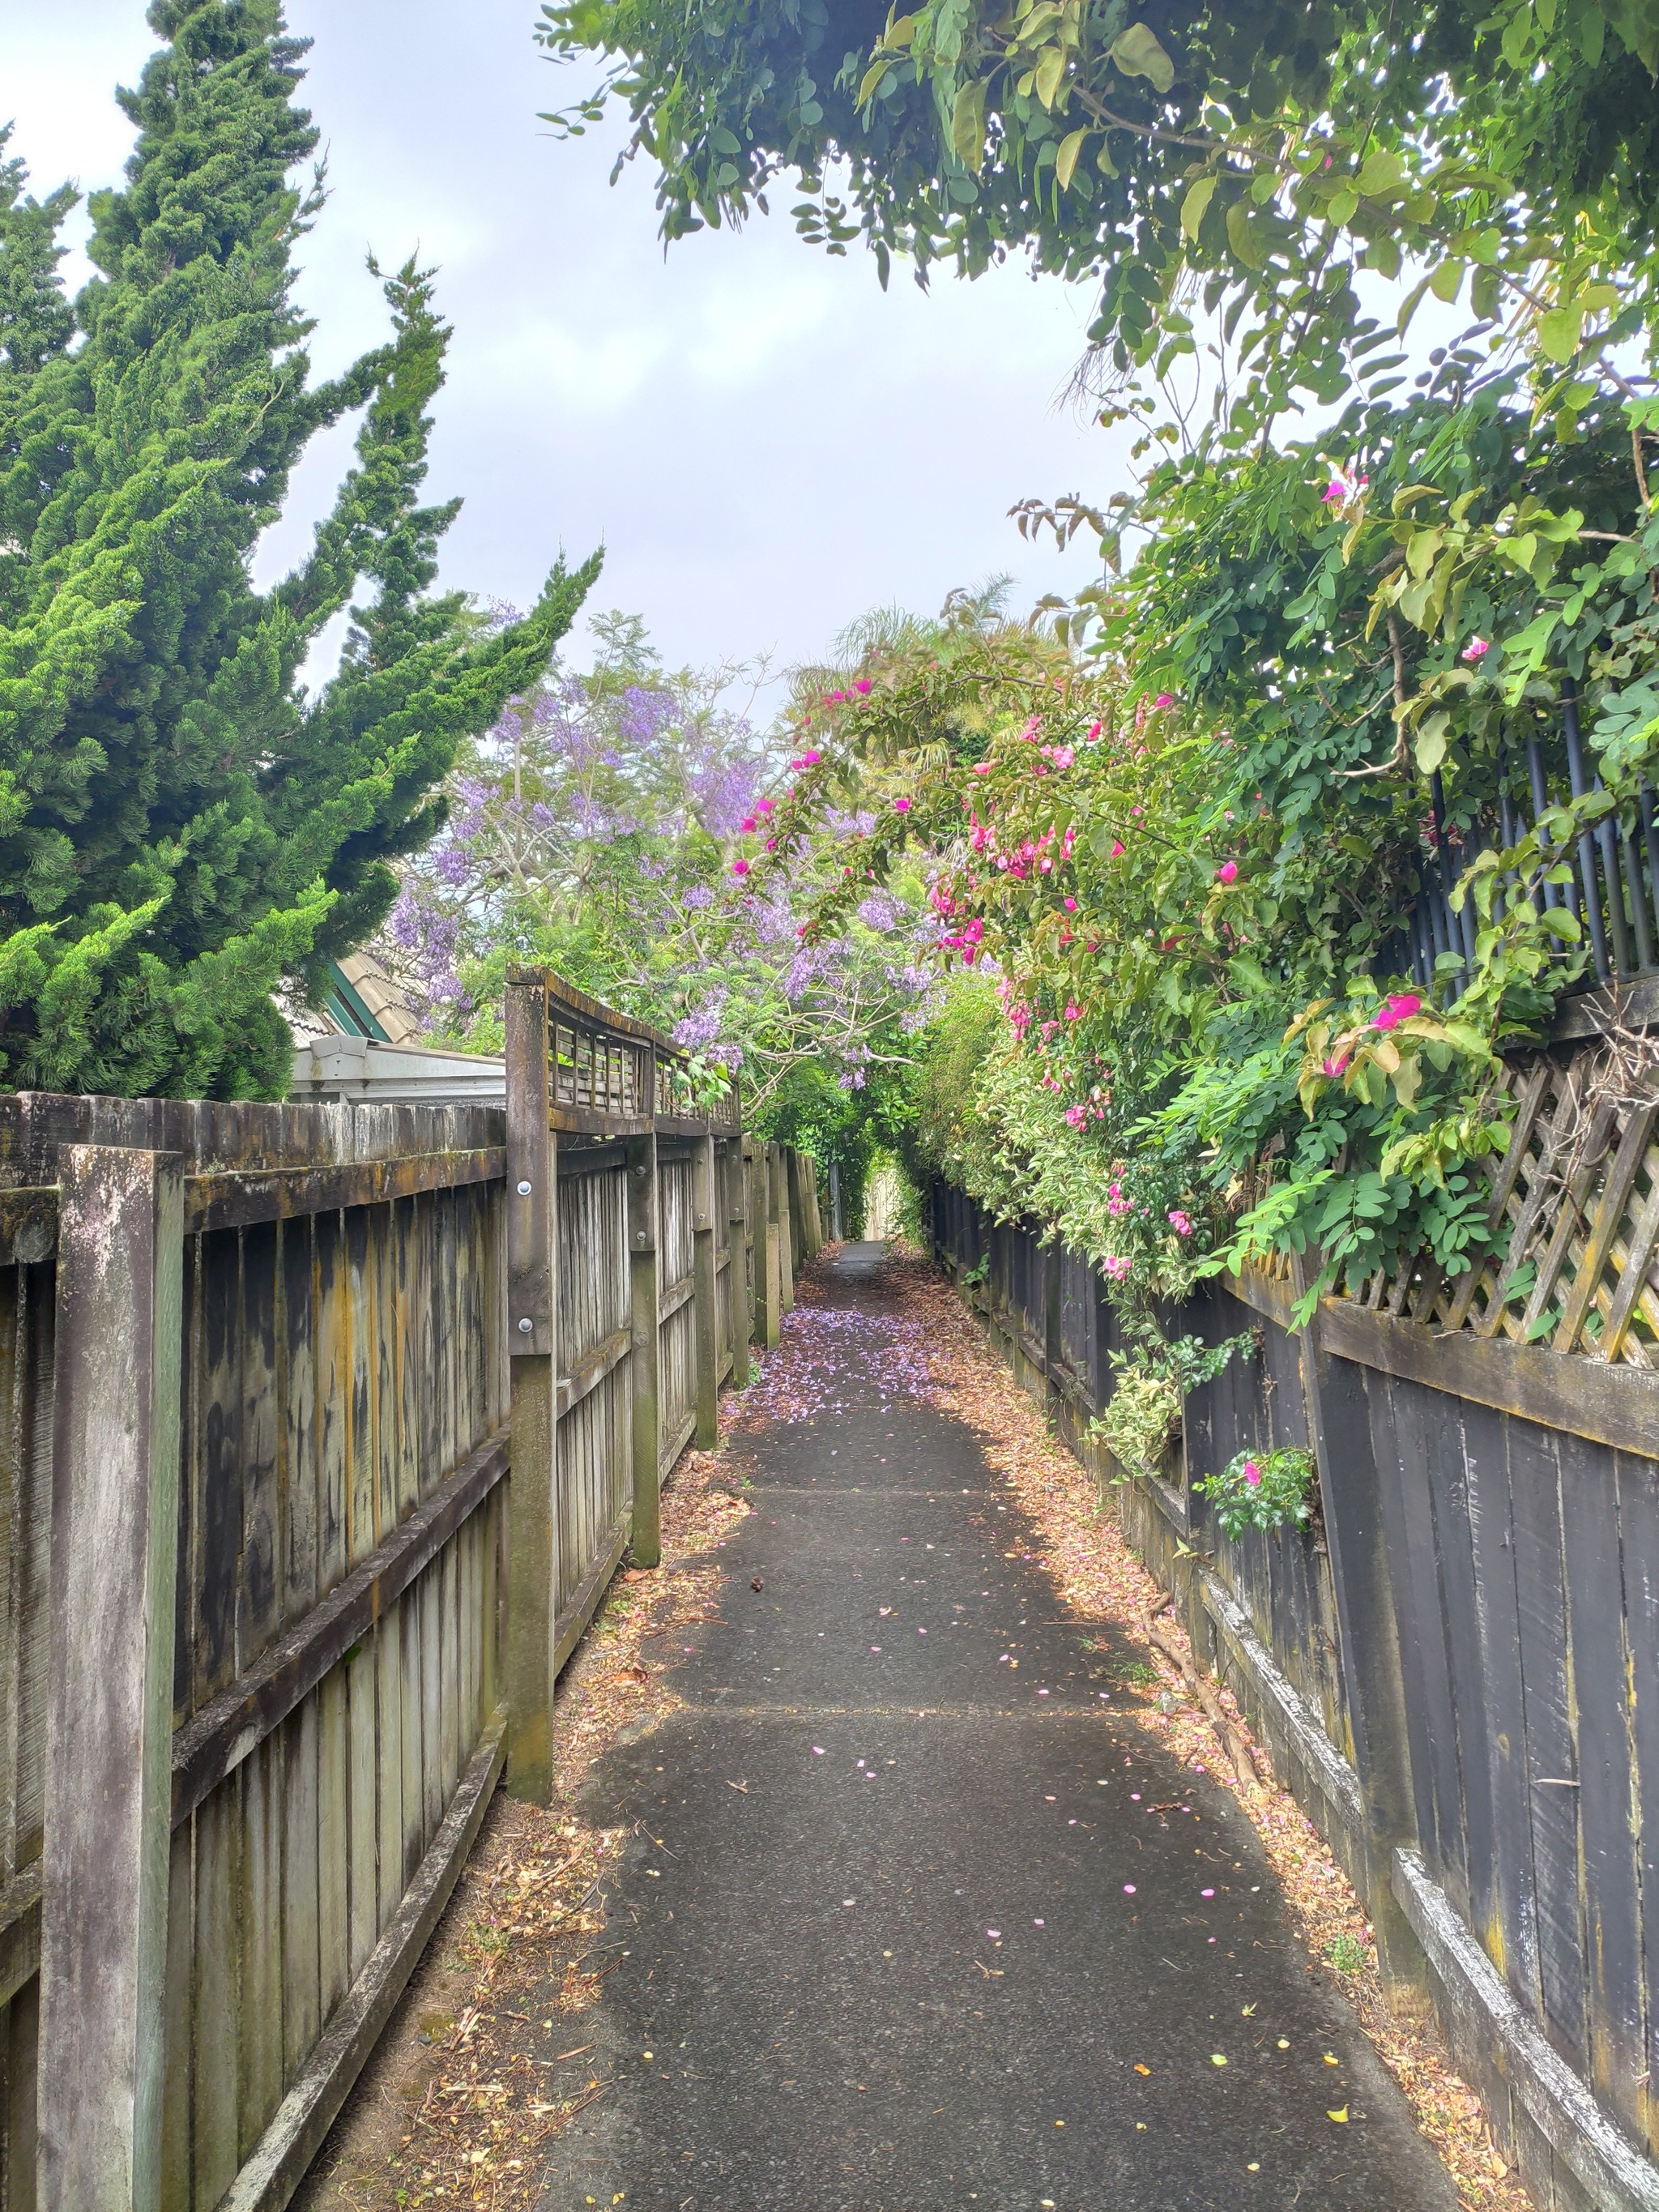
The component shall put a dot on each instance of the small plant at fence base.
(1265, 1489)
(1149, 1390)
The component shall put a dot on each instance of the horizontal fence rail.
(268, 1472)
(1457, 1668)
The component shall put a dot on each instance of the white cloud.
(766, 443)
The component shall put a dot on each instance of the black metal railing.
(1614, 888)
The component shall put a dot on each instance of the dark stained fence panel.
(1523, 1566)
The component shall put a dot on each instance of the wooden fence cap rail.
(593, 1012)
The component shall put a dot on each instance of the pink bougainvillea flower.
(1335, 491)
(771, 844)
(862, 687)
(1094, 729)
(740, 867)
(765, 805)
(981, 767)
(1117, 846)
(1165, 699)
(1116, 1265)
(1398, 1007)
(900, 807)
(1073, 1011)
(811, 760)
(1182, 1226)
(748, 824)
(1335, 1066)
(1227, 872)
(1070, 905)
(1252, 1472)
(1076, 1116)
(1477, 648)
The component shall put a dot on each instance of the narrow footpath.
(914, 1915)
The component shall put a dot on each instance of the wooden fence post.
(783, 1214)
(533, 1336)
(737, 1248)
(646, 1359)
(763, 1222)
(815, 1216)
(705, 1189)
(109, 1718)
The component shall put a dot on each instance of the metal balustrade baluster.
(1587, 871)
(1636, 890)
(1508, 829)
(1553, 895)
(1649, 844)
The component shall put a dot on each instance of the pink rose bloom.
(740, 867)
(900, 807)
(1477, 648)
(1227, 872)
(1252, 1472)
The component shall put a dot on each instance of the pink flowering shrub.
(1265, 1491)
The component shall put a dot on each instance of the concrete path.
(905, 1928)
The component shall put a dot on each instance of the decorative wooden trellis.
(1578, 1185)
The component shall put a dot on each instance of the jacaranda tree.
(185, 828)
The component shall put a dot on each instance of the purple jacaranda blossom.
(701, 1029)
(881, 910)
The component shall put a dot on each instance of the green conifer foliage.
(183, 828)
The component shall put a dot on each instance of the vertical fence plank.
(739, 1298)
(761, 1242)
(783, 1221)
(532, 1315)
(706, 1195)
(646, 1357)
(114, 1566)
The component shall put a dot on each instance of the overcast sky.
(765, 443)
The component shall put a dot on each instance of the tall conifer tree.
(183, 828)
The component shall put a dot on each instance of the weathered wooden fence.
(292, 1548)
(1457, 1670)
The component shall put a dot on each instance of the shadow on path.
(904, 1926)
